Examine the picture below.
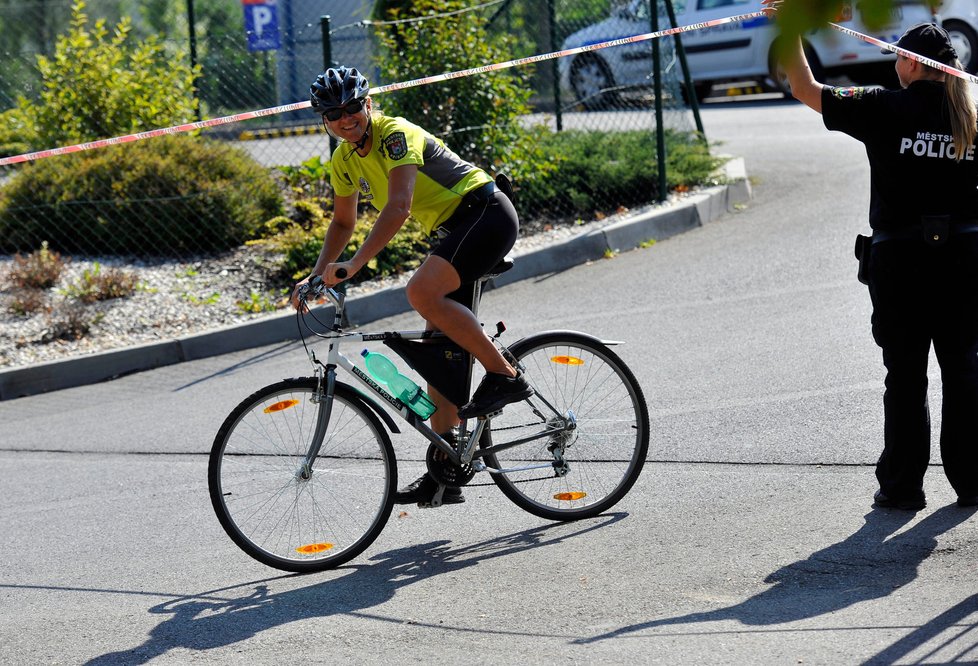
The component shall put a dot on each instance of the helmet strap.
(366, 134)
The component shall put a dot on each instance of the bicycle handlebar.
(316, 289)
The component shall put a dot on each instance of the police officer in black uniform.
(923, 255)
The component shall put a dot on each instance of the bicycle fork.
(324, 399)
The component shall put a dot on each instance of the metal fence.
(252, 54)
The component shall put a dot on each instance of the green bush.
(169, 196)
(619, 167)
(40, 269)
(300, 246)
(16, 133)
(95, 285)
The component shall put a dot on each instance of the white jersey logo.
(928, 144)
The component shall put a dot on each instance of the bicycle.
(302, 473)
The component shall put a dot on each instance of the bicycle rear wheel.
(585, 381)
(284, 517)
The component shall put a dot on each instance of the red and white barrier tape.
(947, 69)
(226, 120)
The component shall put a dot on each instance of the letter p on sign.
(261, 24)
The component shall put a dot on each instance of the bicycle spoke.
(279, 511)
(605, 449)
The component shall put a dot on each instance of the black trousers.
(921, 295)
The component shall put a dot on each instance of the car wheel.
(965, 42)
(700, 90)
(592, 82)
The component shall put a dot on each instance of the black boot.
(423, 489)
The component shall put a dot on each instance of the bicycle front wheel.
(276, 508)
(582, 470)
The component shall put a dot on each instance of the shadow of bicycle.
(215, 619)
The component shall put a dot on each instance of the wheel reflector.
(576, 495)
(313, 548)
(279, 406)
(567, 360)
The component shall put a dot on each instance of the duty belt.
(917, 232)
(471, 198)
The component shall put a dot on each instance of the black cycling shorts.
(482, 234)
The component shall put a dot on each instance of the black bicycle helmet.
(338, 87)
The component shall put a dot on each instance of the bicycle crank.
(445, 471)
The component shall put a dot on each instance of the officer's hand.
(771, 7)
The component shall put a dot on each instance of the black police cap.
(928, 40)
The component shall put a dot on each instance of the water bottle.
(384, 371)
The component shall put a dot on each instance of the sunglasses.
(336, 112)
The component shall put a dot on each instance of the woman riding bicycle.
(403, 171)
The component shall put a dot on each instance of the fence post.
(694, 103)
(660, 135)
(327, 62)
(192, 30)
(555, 72)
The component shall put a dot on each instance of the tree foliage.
(99, 84)
(478, 116)
(797, 17)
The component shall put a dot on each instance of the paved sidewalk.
(589, 245)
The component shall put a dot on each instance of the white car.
(728, 52)
(960, 19)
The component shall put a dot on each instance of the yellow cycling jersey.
(443, 177)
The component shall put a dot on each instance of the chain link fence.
(589, 125)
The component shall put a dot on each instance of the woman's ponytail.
(964, 117)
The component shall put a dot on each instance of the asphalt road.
(748, 539)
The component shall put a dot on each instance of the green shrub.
(169, 196)
(73, 322)
(300, 248)
(95, 285)
(16, 133)
(98, 85)
(404, 253)
(257, 303)
(26, 301)
(309, 180)
(40, 269)
(619, 167)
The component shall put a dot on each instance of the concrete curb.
(626, 234)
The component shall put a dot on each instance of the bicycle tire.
(269, 510)
(573, 372)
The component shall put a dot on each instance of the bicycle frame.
(558, 425)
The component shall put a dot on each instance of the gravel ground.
(174, 299)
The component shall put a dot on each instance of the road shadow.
(953, 634)
(869, 564)
(212, 619)
(254, 359)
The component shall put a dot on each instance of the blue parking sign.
(261, 25)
